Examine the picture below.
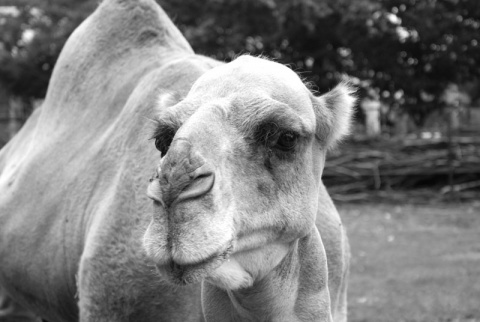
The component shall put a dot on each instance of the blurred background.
(407, 181)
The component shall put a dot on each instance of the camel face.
(238, 180)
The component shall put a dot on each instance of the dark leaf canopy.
(408, 51)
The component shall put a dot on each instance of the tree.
(33, 34)
(407, 50)
(417, 48)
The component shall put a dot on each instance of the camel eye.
(163, 141)
(287, 141)
(161, 146)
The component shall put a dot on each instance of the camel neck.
(295, 290)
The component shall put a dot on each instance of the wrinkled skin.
(79, 238)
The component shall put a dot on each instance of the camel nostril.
(185, 173)
(203, 175)
(200, 185)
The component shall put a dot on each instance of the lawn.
(414, 262)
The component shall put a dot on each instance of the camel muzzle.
(184, 174)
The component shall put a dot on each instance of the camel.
(221, 216)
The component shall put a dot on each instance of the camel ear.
(333, 113)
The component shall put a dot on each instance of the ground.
(414, 262)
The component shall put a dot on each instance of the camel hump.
(108, 53)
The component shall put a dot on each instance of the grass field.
(414, 262)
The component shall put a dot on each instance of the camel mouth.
(185, 274)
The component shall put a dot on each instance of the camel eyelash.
(266, 133)
(163, 136)
(269, 133)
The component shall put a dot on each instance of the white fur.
(167, 99)
(334, 110)
(231, 276)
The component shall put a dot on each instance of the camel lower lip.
(195, 272)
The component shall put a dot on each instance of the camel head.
(237, 183)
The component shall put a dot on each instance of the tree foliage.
(409, 51)
(32, 36)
